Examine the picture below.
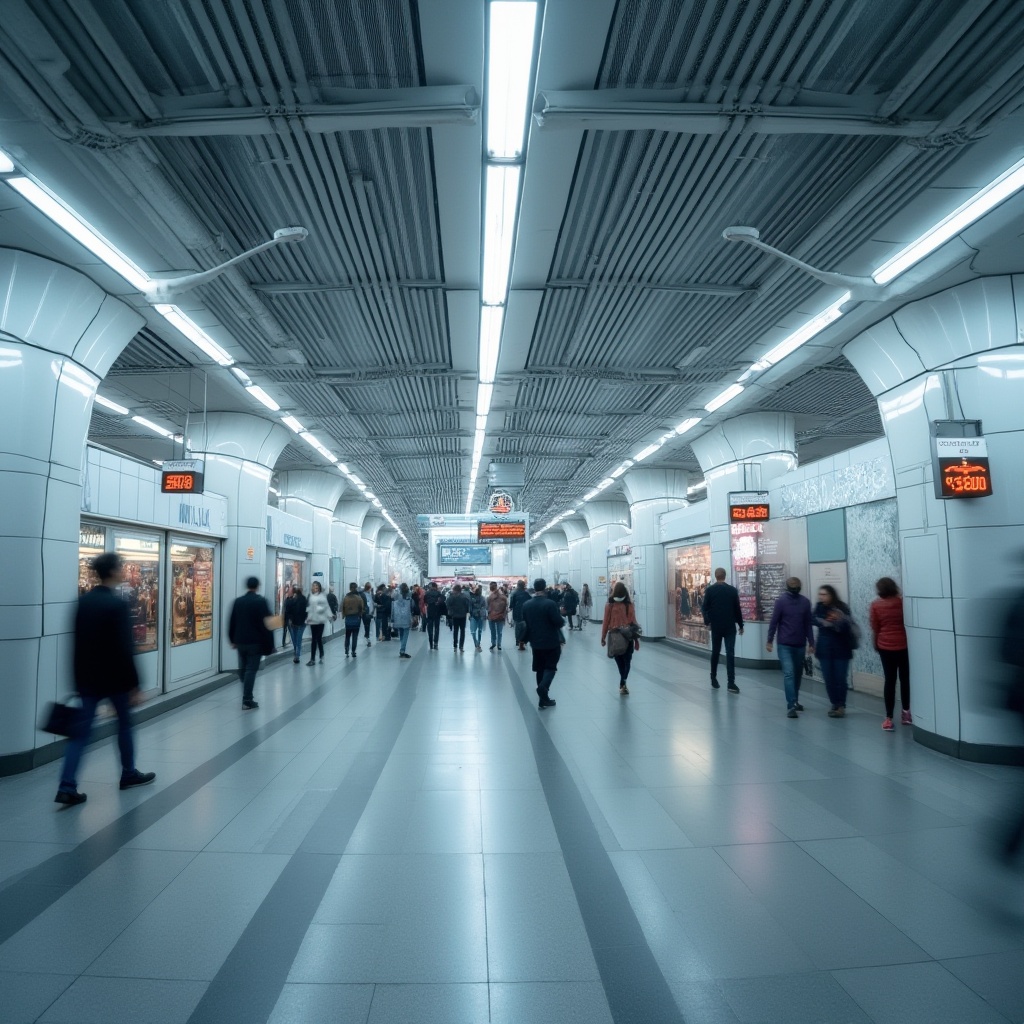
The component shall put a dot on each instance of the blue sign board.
(464, 554)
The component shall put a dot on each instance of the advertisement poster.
(202, 576)
(141, 587)
(191, 594)
(688, 574)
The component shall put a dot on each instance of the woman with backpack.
(834, 646)
(620, 632)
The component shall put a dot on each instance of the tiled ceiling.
(642, 309)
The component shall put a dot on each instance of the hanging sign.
(507, 532)
(960, 460)
(748, 507)
(500, 504)
(184, 476)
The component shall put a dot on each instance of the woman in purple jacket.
(791, 619)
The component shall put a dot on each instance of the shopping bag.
(60, 719)
(273, 622)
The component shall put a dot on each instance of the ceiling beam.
(695, 288)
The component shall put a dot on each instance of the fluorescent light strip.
(314, 443)
(646, 452)
(150, 425)
(803, 334)
(84, 233)
(484, 393)
(500, 203)
(112, 406)
(509, 59)
(619, 470)
(261, 396)
(726, 396)
(1010, 181)
(687, 425)
(174, 316)
(242, 376)
(491, 320)
(293, 424)
(6, 163)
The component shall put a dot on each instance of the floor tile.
(125, 1001)
(566, 1002)
(429, 1004)
(323, 1004)
(25, 997)
(794, 999)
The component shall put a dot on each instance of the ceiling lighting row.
(511, 40)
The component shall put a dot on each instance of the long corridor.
(413, 841)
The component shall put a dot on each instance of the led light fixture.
(314, 443)
(726, 396)
(687, 424)
(509, 59)
(1010, 181)
(500, 203)
(293, 424)
(112, 406)
(803, 334)
(150, 425)
(646, 452)
(619, 470)
(176, 318)
(491, 319)
(483, 399)
(261, 396)
(6, 163)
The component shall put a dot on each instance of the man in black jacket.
(723, 614)
(516, 603)
(570, 602)
(104, 668)
(543, 626)
(248, 633)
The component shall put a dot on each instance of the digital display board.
(751, 513)
(183, 476)
(509, 532)
(463, 554)
(960, 460)
(964, 478)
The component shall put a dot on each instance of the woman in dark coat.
(834, 646)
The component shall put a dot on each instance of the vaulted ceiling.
(189, 130)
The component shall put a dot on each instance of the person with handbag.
(248, 633)
(620, 632)
(318, 614)
(104, 669)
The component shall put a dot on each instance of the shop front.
(289, 552)
(688, 572)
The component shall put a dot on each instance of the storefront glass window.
(289, 574)
(191, 594)
(141, 587)
(689, 573)
(92, 541)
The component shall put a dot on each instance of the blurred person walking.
(586, 605)
(516, 602)
(791, 619)
(436, 607)
(890, 635)
(570, 602)
(382, 604)
(104, 669)
(369, 608)
(619, 615)
(834, 647)
(724, 617)
(249, 635)
(318, 614)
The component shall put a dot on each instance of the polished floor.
(413, 841)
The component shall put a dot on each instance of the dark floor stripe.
(249, 983)
(43, 885)
(634, 985)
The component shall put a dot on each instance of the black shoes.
(249, 705)
(312, 661)
(69, 797)
(798, 706)
(137, 778)
(733, 688)
(791, 713)
(295, 660)
(404, 655)
(714, 684)
(547, 704)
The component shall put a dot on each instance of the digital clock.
(750, 513)
(964, 478)
(181, 483)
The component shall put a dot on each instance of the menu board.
(771, 582)
(510, 532)
(743, 539)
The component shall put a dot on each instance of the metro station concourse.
(608, 293)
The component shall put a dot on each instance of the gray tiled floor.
(808, 872)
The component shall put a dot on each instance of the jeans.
(295, 632)
(351, 638)
(459, 631)
(836, 675)
(792, 661)
(83, 730)
(433, 629)
(895, 663)
(383, 627)
(497, 626)
(316, 633)
(730, 654)
(476, 631)
(403, 638)
(624, 661)
(367, 619)
(248, 665)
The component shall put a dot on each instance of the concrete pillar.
(558, 555)
(313, 495)
(538, 562)
(954, 356)
(650, 492)
(578, 535)
(59, 335)
(372, 525)
(240, 451)
(608, 522)
(386, 538)
(745, 453)
(349, 514)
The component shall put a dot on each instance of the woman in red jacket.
(619, 612)
(891, 644)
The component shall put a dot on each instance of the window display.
(92, 541)
(191, 594)
(689, 573)
(141, 587)
(289, 574)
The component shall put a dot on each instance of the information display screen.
(756, 512)
(464, 554)
(510, 532)
(964, 478)
(181, 483)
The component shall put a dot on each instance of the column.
(240, 451)
(745, 453)
(558, 555)
(349, 514)
(372, 525)
(608, 522)
(386, 538)
(313, 495)
(60, 335)
(650, 492)
(578, 536)
(953, 356)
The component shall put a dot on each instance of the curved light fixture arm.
(170, 288)
(861, 289)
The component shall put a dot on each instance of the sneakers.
(791, 713)
(546, 704)
(491, 647)
(887, 725)
(623, 690)
(295, 661)
(499, 647)
(69, 797)
(837, 712)
(733, 688)
(715, 684)
(798, 706)
(906, 718)
(402, 654)
(312, 661)
(346, 654)
(136, 778)
(249, 705)
(368, 644)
